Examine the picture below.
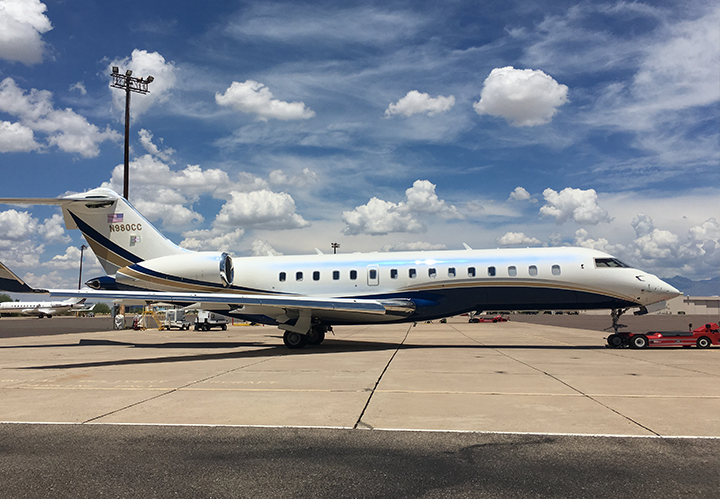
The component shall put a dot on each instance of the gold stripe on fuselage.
(107, 255)
(183, 286)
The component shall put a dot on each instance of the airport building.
(692, 305)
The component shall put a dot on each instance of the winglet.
(467, 247)
(13, 284)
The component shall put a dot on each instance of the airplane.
(42, 308)
(305, 296)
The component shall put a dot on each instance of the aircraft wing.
(12, 283)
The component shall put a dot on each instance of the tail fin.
(117, 233)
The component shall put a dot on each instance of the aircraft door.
(373, 275)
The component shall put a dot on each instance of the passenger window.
(316, 275)
(432, 273)
(298, 276)
(393, 273)
(556, 270)
(336, 275)
(412, 273)
(471, 271)
(512, 271)
(491, 271)
(353, 274)
(283, 276)
(372, 274)
(451, 272)
(532, 270)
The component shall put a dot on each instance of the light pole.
(335, 247)
(131, 84)
(82, 248)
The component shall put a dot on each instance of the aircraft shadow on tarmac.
(263, 350)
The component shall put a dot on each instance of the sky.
(382, 126)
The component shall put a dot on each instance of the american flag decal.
(115, 218)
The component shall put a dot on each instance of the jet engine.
(199, 271)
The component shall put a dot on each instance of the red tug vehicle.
(702, 337)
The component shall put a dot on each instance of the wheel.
(639, 341)
(224, 327)
(294, 340)
(704, 342)
(315, 336)
(615, 340)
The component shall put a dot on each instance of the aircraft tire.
(639, 341)
(294, 340)
(315, 336)
(703, 342)
(615, 341)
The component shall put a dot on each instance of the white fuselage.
(440, 283)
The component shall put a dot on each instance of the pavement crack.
(589, 397)
(187, 385)
(359, 424)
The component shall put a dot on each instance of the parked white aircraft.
(41, 308)
(306, 295)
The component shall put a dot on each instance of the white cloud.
(70, 260)
(519, 194)
(266, 209)
(303, 179)
(255, 98)
(576, 204)
(307, 24)
(383, 217)
(149, 171)
(415, 102)
(143, 64)
(517, 238)
(15, 137)
(80, 87)
(421, 198)
(214, 239)
(413, 246)
(52, 280)
(666, 253)
(524, 97)
(585, 240)
(643, 225)
(64, 128)
(379, 217)
(263, 248)
(53, 229)
(21, 24)
(146, 141)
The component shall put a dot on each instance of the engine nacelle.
(185, 272)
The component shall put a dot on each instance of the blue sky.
(284, 127)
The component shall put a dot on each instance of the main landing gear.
(314, 336)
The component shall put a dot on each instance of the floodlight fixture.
(128, 83)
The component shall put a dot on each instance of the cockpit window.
(610, 262)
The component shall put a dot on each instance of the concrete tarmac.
(524, 398)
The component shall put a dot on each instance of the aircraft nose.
(663, 290)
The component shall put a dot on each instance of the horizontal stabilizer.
(13, 284)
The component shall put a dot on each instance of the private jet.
(306, 295)
(42, 308)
